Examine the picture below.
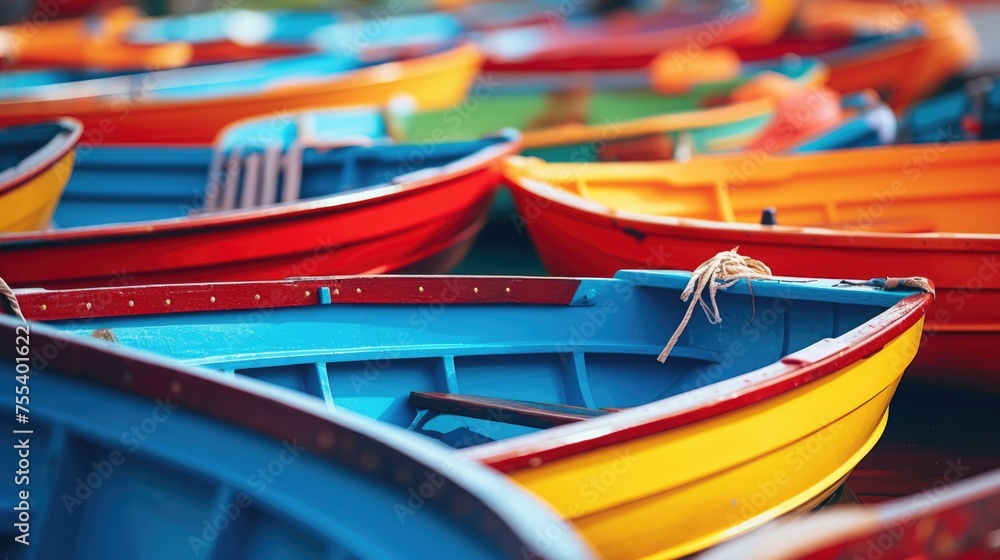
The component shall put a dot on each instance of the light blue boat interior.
(597, 352)
(115, 475)
(142, 183)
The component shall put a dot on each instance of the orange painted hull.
(670, 215)
(435, 81)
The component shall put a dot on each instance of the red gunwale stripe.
(67, 140)
(61, 305)
(549, 445)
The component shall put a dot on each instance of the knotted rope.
(9, 294)
(717, 273)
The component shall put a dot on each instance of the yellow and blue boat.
(556, 381)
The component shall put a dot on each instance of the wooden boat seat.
(508, 411)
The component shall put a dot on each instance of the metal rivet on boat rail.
(534, 461)
(324, 295)
(44, 307)
(508, 290)
(131, 303)
(359, 290)
(307, 293)
(167, 302)
(176, 388)
(88, 306)
(420, 289)
(475, 290)
(212, 299)
(256, 297)
(336, 291)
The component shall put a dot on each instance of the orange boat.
(191, 105)
(861, 213)
(904, 50)
(92, 43)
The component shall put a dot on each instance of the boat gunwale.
(508, 143)
(61, 144)
(291, 417)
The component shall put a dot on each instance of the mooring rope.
(717, 273)
(9, 294)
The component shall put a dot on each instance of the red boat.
(860, 213)
(959, 522)
(360, 207)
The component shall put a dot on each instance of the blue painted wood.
(132, 456)
(601, 354)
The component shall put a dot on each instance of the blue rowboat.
(126, 455)
(292, 194)
(556, 380)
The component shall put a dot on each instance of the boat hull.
(809, 407)
(38, 162)
(427, 229)
(196, 474)
(30, 206)
(435, 81)
(753, 465)
(952, 520)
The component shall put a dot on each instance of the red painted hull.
(426, 226)
(961, 333)
(948, 521)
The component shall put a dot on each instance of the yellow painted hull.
(683, 490)
(30, 206)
